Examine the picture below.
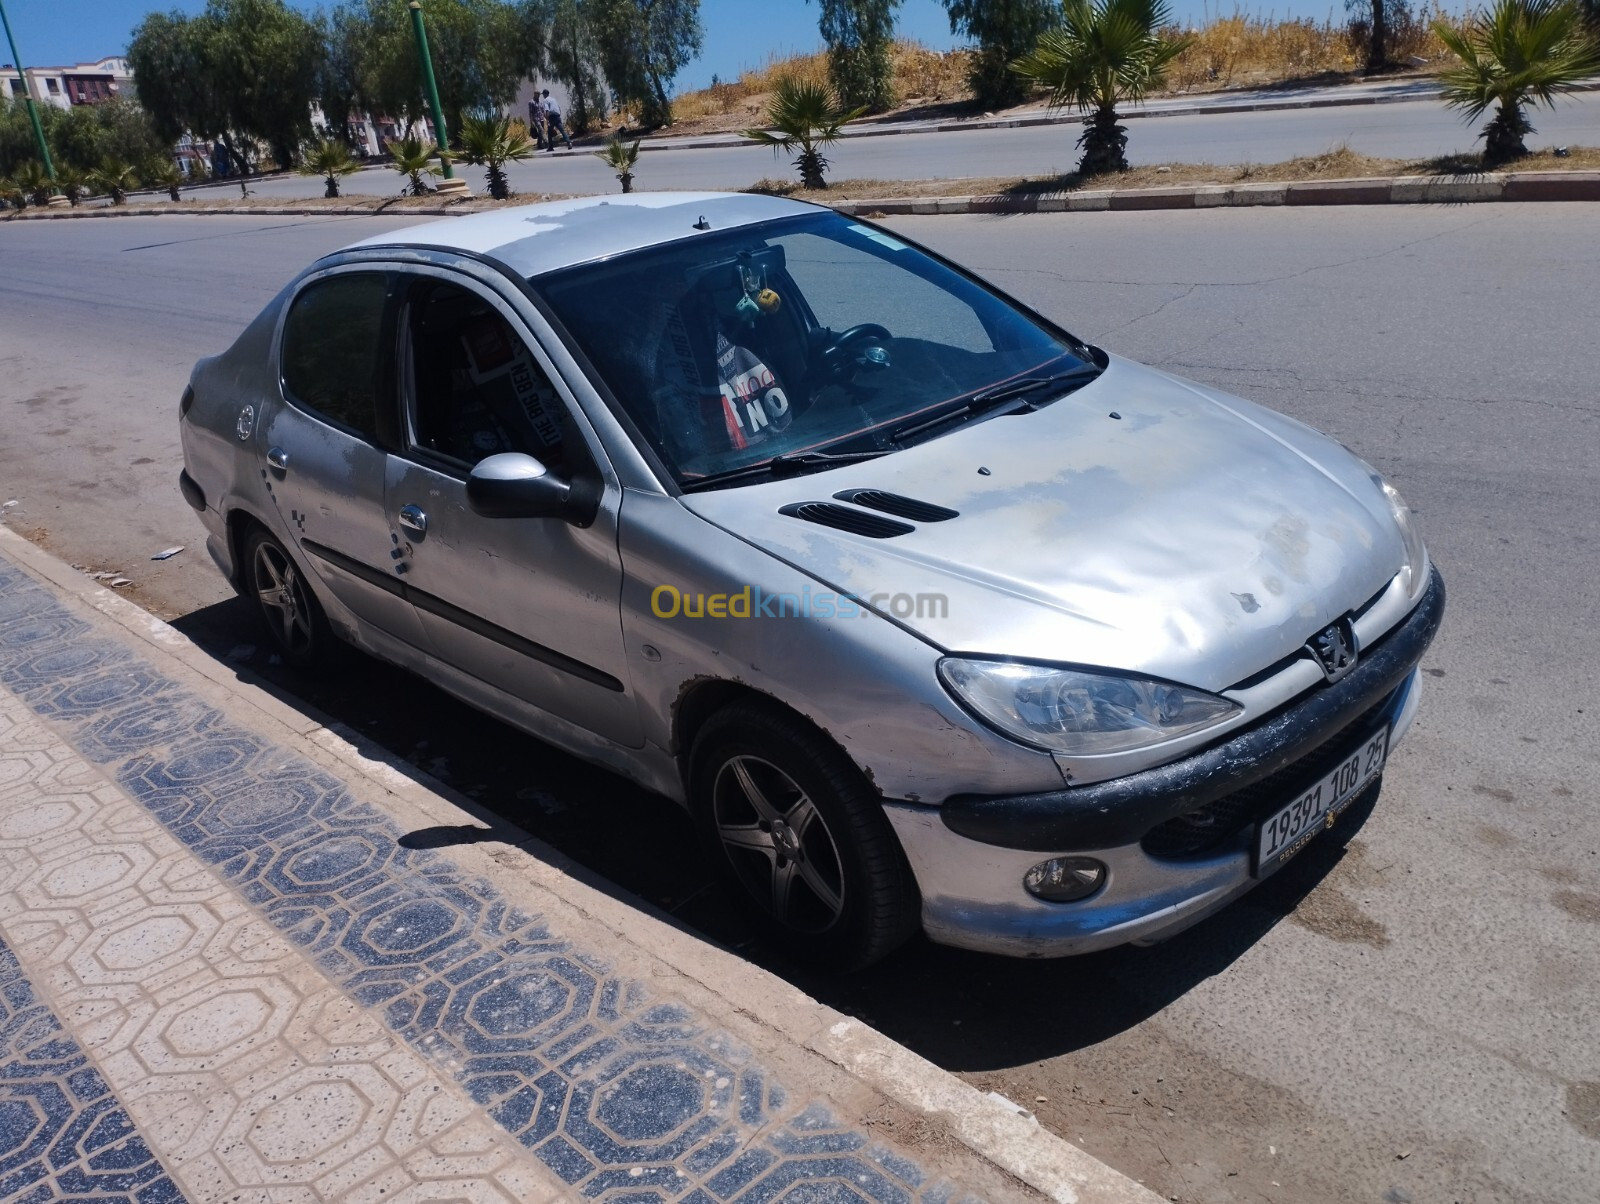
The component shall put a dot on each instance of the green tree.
(163, 173)
(859, 35)
(1004, 30)
(330, 159)
(642, 45)
(413, 158)
(482, 50)
(115, 179)
(1106, 52)
(621, 158)
(1512, 56)
(807, 115)
(574, 59)
(31, 177)
(242, 69)
(491, 142)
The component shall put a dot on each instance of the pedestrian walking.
(536, 121)
(552, 121)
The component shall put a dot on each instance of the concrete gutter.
(1378, 190)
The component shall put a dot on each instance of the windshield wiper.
(995, 395)
(785, 464)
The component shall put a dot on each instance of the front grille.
(1216, 824)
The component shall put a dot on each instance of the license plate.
(1285, 833)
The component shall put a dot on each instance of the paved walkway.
(229, 972)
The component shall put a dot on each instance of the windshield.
(808, 334)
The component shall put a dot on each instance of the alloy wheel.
(778, 844)
(283, 598)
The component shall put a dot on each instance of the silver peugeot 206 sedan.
(930, 613)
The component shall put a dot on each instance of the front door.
(324, 444)
(530, 606)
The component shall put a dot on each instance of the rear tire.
(296, 623)
(802, 835)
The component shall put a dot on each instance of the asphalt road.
(1406, 1013)
(1408, 130)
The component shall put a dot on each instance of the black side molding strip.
(190, 488)
(463, 618)
(1105, 815)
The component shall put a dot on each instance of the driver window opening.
(476, 388)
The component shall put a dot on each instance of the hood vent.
(845, 518)
(894, 503)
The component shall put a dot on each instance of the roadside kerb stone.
(1376, 190)
(1387, 190)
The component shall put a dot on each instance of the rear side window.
(333, 353)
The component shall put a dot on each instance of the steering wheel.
(835, 357)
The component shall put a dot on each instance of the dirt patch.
(1495, 838)
(1583, 1108)
(1578, 905)
(1328, 911)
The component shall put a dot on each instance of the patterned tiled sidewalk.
(232, 981)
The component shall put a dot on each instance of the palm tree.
(330, 159)
(492, 142)
(11, 194)
(1106, 52)
(1516, 54)
(35, 181)
(806, 114)
(620, 157)
(413, 158)
(70, 183)
(164, 173)
(115, 179)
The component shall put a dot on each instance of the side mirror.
(513, 485)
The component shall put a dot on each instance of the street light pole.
(449, 184)
(27, 99)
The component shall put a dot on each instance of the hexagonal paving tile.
(144, 944)
(218, 1023)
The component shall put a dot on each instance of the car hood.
(1142, 523)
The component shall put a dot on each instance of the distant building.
(80, 84)
(371, 134)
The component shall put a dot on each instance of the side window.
(333, 355)
(476, 388)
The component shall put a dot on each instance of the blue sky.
(739, 33)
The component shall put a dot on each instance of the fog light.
(1065, 879)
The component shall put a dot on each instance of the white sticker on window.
(878, 236)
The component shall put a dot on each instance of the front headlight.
(1415, 571)
(1077, 713)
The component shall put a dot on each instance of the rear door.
(530, 606)
(325, 443)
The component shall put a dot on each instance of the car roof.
(534, 239)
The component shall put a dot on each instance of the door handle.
(413, 519)
(278, 458)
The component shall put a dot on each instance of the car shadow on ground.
(964, 1011)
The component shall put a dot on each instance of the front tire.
(802, 834)
(295, 621)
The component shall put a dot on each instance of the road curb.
(1388, 190)
(1378, 190)
(751, 1001)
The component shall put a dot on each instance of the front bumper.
(970, 855)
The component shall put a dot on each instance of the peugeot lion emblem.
(1335, 649)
